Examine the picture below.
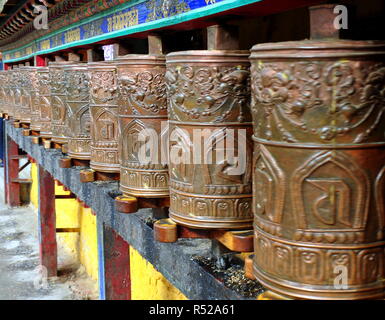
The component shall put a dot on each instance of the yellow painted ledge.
(149, 284)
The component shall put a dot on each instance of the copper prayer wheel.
(17, 94)
(3, 85)
(142, 106)
(26, 89)
(104, 117)
(319, 168)
(44, 98)
(78, 108)
(10, 93)
(209, 96)
(35, 100)
(59, 116)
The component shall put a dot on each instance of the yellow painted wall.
(71, 214)
(149, 284)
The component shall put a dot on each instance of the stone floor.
(20, 274)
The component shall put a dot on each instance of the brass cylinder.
(59, 116)
(10, 91)
(319, 168)
(104, 117)
(209, 95)
(44, 98)
(78, 107)
(142, 108)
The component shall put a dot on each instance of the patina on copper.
(142, 108)
(210, 90)
(78, 109)
(104, 116)
(319, 168)
(44, 97)
(59, 116)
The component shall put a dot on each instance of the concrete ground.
(20, 275)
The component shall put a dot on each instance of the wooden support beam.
(155, 45)
(222, 37)
(47, 222)
(94, 55)
(116, 266)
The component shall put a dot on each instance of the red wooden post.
(47, 222)
(12, 188)
(116, 266)
(40, 61)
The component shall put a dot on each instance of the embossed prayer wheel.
(142, 106)
(44, 98)
(25, 88)
(78, 107)
(10, 93)
(3, 84)
(59, 116)
(17, 94)
(319, 168)
(209, 97)
(35, 100)
(104, 117)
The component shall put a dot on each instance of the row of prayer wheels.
(307, 122)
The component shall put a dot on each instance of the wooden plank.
(12, 187)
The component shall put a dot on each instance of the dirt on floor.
(21, 277)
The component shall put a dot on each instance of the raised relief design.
(289, 100)
(323, 201)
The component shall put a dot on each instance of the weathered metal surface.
(16, 86)
(142, 109)
(209, 90)
(104, 116)
(44, 98)
(78, 107)
(3, 85)
(59, 116)
(319, 168)
(26, 89)
(35, 99)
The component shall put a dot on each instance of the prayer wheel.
(44, 99)
(78, 107)
(104, 117)
(35, 100)
(3, 84)
(26, 91)
(59, 120)
(142, 108)
(17, 94)
(209, 107)
(10, 90)
(319, 168)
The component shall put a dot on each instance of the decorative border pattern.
(128, 18)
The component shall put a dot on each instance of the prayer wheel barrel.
(142, 116)
(210, 139)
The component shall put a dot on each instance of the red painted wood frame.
(11, 172)
(47, 222)
(116, 266)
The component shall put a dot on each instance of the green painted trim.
(187, 16)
